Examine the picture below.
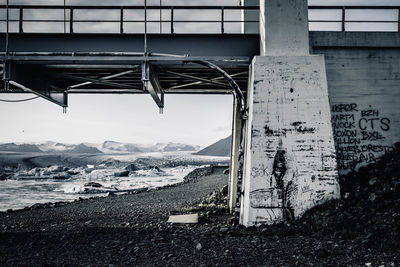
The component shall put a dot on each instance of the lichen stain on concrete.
(268, 131)
(297, 123)
(303, 130)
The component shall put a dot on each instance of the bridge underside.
(52, 66)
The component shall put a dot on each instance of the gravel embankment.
(132, 230)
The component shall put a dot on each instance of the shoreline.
(194, 173)
(133, 230)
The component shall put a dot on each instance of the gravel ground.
(133, 230)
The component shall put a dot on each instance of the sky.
(191, 119)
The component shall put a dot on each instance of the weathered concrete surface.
(290, 163)
(364, 91)
(284, 28)
(354, 40)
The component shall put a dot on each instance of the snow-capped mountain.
(92, 148)
(112, 146)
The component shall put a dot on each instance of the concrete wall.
(363, 71)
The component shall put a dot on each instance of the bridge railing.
(354, 18)
(125, 19)
(183, 19)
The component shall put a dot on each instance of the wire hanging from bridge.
(18, 100)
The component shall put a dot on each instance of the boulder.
(73, 171)
(156, 168)
(121, 174)
(62, 176)
(33, 171)
(131, 167)
(3, 176)
(56, 168)
(45, 172)
(93, 184)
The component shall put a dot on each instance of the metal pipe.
(7, 27)
(145, 27)
(232, 83)
(238, 94)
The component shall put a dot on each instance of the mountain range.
(91, 148)
(220, 148)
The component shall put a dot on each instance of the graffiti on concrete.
(359, 135)
(276, 197)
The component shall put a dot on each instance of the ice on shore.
(27, 187)
(155, 171)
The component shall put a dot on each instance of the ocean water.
(27, 191)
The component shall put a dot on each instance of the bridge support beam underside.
(290, 162)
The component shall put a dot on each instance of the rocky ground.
(133, 229)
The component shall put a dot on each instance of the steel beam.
(202, 80)
(152, 84)
(212, 80)
(204, 45)
(34, 82)
(95, 81)
(102, 79)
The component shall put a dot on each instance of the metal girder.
(206, 81)
(102, 79)
(152, 84)
(96, 81)
(212, 80)
(204, 45)
(34, 82)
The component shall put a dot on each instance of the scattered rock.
(62, 176)
(73, 172)
(4, 176)
(198, 246)
(55, 169)
(321, 252)
(131, 167)
(224, 190)
(373, 181)
(93, 184)
(372, 197)
(121, 174)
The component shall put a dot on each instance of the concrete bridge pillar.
(290, 163)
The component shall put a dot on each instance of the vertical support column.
(290, 160)
(284, 28)
(235, 149)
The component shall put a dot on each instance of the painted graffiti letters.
(358, 134)
(259, 171)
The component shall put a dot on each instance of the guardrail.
(183, 19)
(167, 15)
(348, 16)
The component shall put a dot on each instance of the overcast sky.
(194, 119)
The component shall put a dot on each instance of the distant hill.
(12, 147)
(51, 146)
(112, 146)
(94, 148)
(178, 147)
(81, 148)
(221, 148)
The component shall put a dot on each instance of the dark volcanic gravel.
(133, 230)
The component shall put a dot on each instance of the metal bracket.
(152, 84)
(30, 80)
